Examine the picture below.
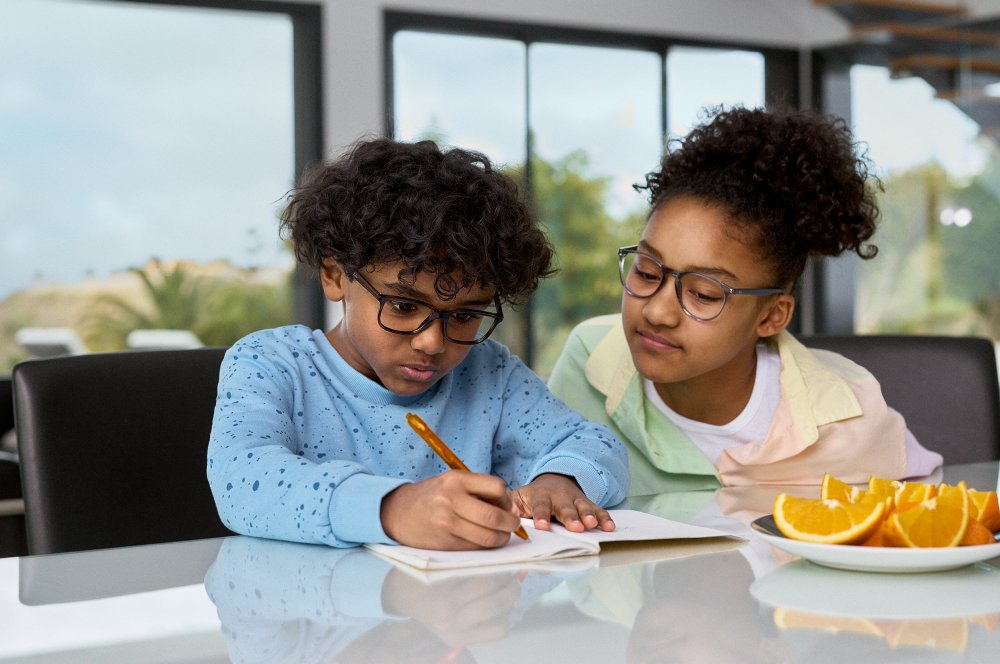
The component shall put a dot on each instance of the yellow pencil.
(443, 451)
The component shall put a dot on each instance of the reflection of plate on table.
(875, 558)
(970, 591)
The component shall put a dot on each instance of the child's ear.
(334, 280)
(776, 316)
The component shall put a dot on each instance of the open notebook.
(632, 526)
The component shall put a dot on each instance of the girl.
(697, 375)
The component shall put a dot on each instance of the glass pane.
(468, 92)
(936, 271)
(145, 156)
(700, 77)
(461, 91)
(595, 123)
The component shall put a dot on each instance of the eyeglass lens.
(406, 316)
(700, 296)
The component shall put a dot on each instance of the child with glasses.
(698, 375)
(310, 440)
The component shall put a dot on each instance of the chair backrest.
(945, 387)
(6, 404)
(113, 448)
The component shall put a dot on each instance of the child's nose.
(431, 340)
(663, 308)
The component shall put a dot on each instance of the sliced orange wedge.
(826, 521)
(794, 619)
(943, 634)
(883, 488)
(976, 533)
(834, 489)
(929, 523)
(985, 508)
(914, 492)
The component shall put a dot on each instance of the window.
(578, 121)
(936, 271)
(146, 155)
(699, 78)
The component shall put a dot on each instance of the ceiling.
(955, 50)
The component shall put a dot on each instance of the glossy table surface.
(250, 600)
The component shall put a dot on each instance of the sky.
(603, 100)
(137, 131)
(133, 131)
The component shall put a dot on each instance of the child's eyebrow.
(409, 291)
(647, 248)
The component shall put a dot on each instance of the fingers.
(559, 497)
(481, 507)
(456, 510)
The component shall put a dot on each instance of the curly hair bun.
(448, 212)
(794, 179)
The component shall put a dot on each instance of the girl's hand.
(456, 510)
(559, 496)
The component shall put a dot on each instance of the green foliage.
(929, 278)
(218, 310)
(571, 206)
(239, 309)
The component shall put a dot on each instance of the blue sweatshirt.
(304, 447)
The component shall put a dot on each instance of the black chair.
(945, 387)
(13, 541)
(113, 448)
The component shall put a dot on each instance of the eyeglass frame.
(434, 315)
(727, 290)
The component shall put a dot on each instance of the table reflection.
(885, 614)
(279, 601)
(715, 601)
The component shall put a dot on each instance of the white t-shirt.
(754, 422)
(751, 425)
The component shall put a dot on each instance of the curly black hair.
(793, 180)
(447, 212)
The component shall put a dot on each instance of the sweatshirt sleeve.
(557, 439)
(262, 484)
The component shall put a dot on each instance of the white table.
(256, 600)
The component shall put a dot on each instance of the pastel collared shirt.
(831, 417)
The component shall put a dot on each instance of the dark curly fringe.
(447, 212)
(792, 180)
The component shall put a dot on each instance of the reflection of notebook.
(84, 575)
(636, 531)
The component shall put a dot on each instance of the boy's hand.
(456, 510)
(559, 496)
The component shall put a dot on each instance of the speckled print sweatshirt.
(304, 447)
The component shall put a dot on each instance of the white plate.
(875, 558)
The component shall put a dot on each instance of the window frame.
(308, 301)
(782, 82)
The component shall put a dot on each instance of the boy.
(309, 440)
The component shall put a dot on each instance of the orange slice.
(956, 496)
(929, 523)
(834, 489)
(883, 488)
(826, 521)
(914, 492)
(976, 533)
(988, 621)
(943, 634)
(985, 508)
(794, 619)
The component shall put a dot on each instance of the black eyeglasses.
(701, 297)
(402, 315)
